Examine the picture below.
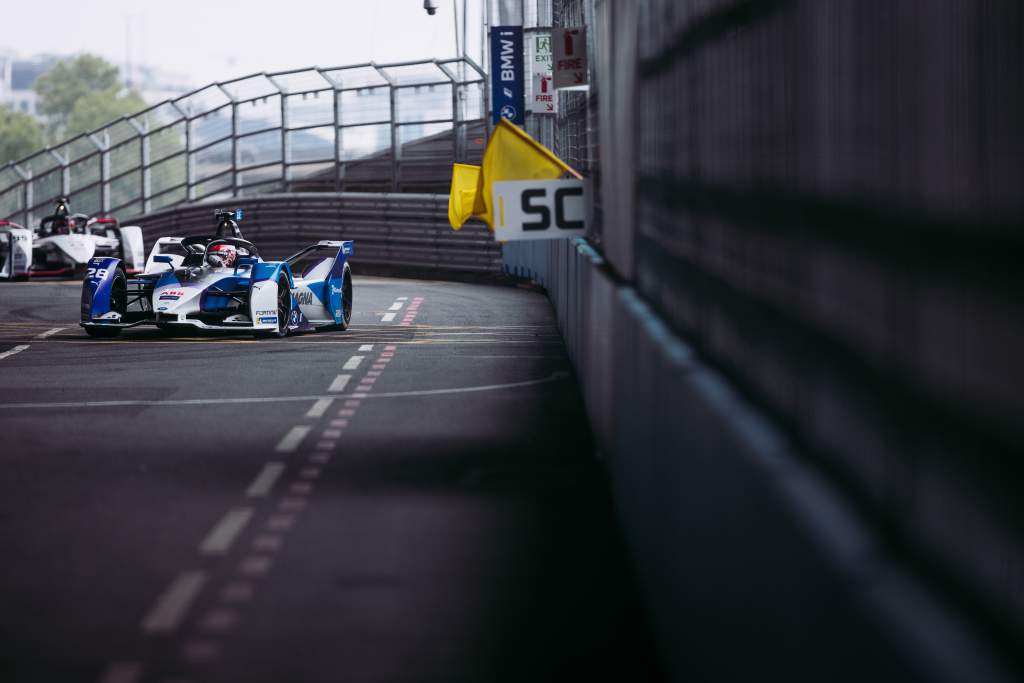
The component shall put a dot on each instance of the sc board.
(539, 209)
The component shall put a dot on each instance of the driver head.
(221, 255)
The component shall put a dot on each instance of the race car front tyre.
(284, 311)
(103, 332)
(118, 304)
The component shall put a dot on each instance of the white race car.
(64, 242)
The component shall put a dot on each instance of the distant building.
(16, 79)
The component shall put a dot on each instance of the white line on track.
(320, 407)
(366, 347)
(122, 672)
(220, 538)
(553, 377)
(292, 439)
(172, 606)
(352, 363)
(16, 349)
(339, 383)
(401, 298)
(265, 480)
(397, 306)
(388, 317)
(50, 333)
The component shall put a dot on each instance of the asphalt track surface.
(217, 508)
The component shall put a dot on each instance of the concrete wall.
(814, 205)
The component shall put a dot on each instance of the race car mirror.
(540, 209)
(246, 261)
(163, 258)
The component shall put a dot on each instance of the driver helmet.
(221, 255)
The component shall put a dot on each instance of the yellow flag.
(463, 194)
(511, 154)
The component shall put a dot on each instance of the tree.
(99, 108)
(70, 79)
(20, 135)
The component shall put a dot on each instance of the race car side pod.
(263, 291)
(16, 243)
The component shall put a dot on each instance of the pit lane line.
(224, 615)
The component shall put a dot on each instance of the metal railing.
(376, 127)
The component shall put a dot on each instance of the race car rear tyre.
(346, 299)
(284, 311)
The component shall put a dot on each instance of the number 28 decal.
(97, 274)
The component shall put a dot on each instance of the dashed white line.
(397, 306)
(388, 317)
(320, 407)
(401, 298)
(173, 605)
(265, 480)
(220, 538)
(293, 438)
(366, 347)
(50, 333)
(339, 384)
(122, 672)
(353, 363)
(17, 349)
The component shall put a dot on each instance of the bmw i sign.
(508, 94)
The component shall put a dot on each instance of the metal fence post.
(393, 118)
(103, 147)
(458, 130)
(189, 164)
(284, 139)
(142, 129)
(65, 172)
(26, 189)
(234, 137)
(234, 148)
(184, 118)
(339, 169)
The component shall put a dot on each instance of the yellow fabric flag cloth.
(463, 194)
(511, 154)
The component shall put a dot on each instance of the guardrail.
(400, 233)
(369, 127)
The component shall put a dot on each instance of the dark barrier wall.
(825, 200)
(399, 233)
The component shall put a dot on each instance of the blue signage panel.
(508, 93)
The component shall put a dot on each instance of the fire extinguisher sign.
(570, 49)
(508, 95)
(542, 95)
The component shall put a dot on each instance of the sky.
(200, 41)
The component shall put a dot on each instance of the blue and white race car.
(221, 283)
